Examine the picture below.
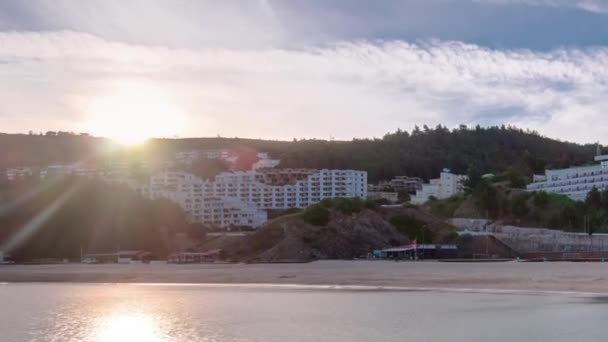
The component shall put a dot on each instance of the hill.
(499, 201)
(421, 152)
(62, 218)
(345, 234)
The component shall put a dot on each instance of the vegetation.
(446, 208)
(492, 199)
(207, 169)
(274, 213)
(348, 205)
(99, 217)
(412, 228)
(423, 152)
(61, 218)
(319, 214)
(316, 214)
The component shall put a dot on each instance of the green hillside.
(61, 218)
(421, 152)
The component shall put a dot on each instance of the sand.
(550, 276)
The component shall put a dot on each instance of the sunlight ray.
(30, 228)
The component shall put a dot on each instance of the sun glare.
(131, 327)
(133, 113)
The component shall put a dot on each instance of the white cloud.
(598, 6)
(343, 90)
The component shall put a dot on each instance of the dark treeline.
(61, 218)
(423, 152)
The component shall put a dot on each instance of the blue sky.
(320, 68)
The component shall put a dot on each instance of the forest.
(62, 218)
(421, 152)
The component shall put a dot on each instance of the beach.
(542, 276)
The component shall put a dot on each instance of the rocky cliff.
(289, 238)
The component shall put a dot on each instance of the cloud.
(597, 6)
(347, 89)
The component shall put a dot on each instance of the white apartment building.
(447, 185)
(574, 182)
(264, 162)
(219, 211)
(17, 173)
(253, 192)
(188, 157)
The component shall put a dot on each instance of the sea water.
(166, 312)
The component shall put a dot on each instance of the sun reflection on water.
(127, 326)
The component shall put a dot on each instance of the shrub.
(348, 205)
(327, 202)
(370, 204)
(282, 212)
(447, 207)
(541, 199)
(412, 228)
(450, 237)
(519, 206)
(316, 214)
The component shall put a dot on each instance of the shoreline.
(563, 277)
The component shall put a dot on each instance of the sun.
(133, 113)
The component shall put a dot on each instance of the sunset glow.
(133, 113)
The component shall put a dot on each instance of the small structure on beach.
(415, 251)
(195, 257)
(120, 257)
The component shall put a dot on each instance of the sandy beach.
(558, 276)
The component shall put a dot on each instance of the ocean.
(166, 312)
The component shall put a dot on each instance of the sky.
(303, 68)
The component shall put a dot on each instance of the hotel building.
(574, 182)
(18, 173)
(240, 198)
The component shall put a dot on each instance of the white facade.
(447, 185)
(264, 162)
(188, 157)
(574, 182)
(19, 173)
(247, 194)
(75, 169)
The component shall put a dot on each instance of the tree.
(316, 215)
(605, 199)
(516, 178)
(94, 217)
(541, 199)
(519, 206)
(594, 199)
(487, 198)
(412, 228)
(473, 178)
(419, 154)
(569, 217)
